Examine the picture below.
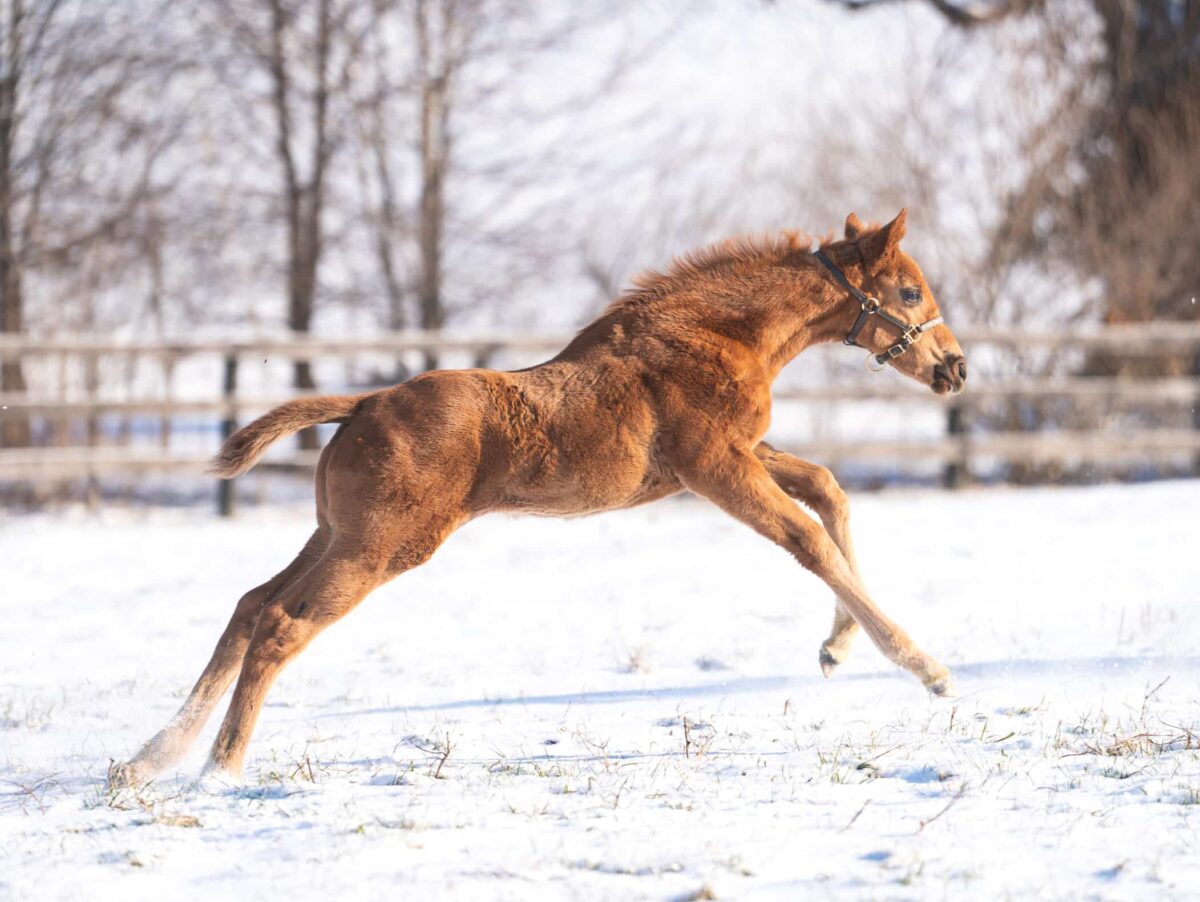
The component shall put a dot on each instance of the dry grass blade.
(178, 820)
(958, 795)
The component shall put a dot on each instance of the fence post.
(958, 470)
(164, 419)
(1196, 408)
(483, 356)
(91, 380)
(226, 494)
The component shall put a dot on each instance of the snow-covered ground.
(624, 707)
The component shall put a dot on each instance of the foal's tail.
(243, 449)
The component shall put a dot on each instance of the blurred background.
(209, 206)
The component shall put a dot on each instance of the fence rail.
(1152, 337)
(1016, 446)
(1170, 390)
(958, 447)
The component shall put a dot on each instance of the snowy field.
(624, 707)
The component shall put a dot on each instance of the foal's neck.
(798, 307)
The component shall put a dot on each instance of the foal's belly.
(605, 479)
(600, 466)
(574, 502)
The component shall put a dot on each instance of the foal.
(669, 390)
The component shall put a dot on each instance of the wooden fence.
(956, 445)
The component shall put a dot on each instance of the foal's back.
(576, 435)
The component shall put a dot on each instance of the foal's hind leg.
(343, 577)
(172, 742)
(815, 486)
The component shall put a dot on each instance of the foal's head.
(893, 278)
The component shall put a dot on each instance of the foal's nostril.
(962, 370)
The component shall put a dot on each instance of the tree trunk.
(16, 432)
(305, 198)
(304, 229)
(433, 210)
(14, 428)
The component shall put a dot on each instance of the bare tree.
(303, 193)
(1110, 191)
(443, 38)
(1114, 192)
(303, 56)
(454, 162)
(967, 14)
(20, 43)
(70, 108)
(389, 221)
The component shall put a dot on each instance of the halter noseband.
(869, 306)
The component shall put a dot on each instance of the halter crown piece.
(869, 306)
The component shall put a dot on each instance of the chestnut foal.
(668, 390)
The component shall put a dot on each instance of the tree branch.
(962, 15)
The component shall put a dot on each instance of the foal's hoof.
(217, 782)
(942, 688)
(123, 776)
(828, 662)
(219, 777)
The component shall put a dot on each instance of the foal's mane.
(714, 258)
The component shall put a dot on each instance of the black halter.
(909, 332)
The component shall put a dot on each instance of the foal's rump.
(419, 416)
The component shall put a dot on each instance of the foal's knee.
(810, 545)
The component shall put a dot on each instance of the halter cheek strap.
(868, 307)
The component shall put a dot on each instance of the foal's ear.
(880, 245)
(854, 227)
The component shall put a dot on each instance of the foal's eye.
(911, 296)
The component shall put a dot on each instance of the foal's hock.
(668, 390)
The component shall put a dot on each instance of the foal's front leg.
(814, 486)
(740, 484)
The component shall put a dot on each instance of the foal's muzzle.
(950, 374)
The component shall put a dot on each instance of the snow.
(624, 707)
